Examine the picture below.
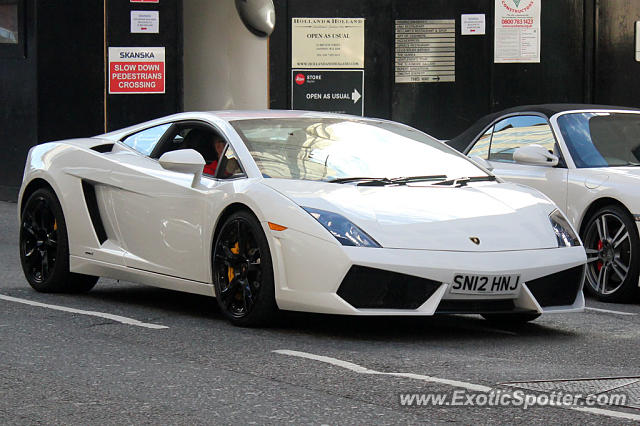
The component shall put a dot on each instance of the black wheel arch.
(264, 306)
(33, 186)
(222, 218)
(597, 205)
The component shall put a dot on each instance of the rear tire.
(611, 241)
(510, 319)
(243, 272)
(44, 247)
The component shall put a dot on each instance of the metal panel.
(445, 109)
(18, 94)
(378, 42)
(70, 70)
(125, 110)
(559, 77)
(616, 70)
(440, 107)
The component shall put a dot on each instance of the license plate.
(485, 284)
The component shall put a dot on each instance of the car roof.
(231, 115)
(462, 141)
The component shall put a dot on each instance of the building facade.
(78, 68)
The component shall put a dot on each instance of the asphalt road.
(61, 367)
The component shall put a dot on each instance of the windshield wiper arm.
(358, 179)
(405, 180)
(369, 181)
(401, 180)
(463, 181)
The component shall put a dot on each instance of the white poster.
(145, 21)
(327, 43)
(517, 31)
(473, 24)
(638, 41)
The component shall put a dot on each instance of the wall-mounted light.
(259, 16)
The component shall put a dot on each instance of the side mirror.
(184, 161)
(481, 162)
(536, 155)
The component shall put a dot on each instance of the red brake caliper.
(600, 245)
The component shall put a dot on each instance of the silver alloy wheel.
(608, 246)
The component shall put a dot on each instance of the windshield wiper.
(370, 181)
(463, 181)
(400, 180)
(404, 180)
(358, 179)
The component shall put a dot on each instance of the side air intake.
(106, 147)
(92, 206)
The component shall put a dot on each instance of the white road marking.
(608, 311)
(455, 383)
(362, 370)
(609, 413)
(118, 318)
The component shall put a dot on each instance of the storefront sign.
(473, 24)
(327, 43)
(328, 90)
(425, 51)
(145, 21)
(638, 41)
(136, 70)
(517, 31)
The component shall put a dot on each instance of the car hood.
(502, 216)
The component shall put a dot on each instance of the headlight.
(340, 227)
(564, 232)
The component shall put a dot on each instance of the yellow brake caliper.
(230, 273)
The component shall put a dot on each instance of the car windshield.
(602, 139)
(335, 149)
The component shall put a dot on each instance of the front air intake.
(559, 289)
(370, 288)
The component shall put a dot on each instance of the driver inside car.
(218, 144)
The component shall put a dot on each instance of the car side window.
(229, 167)
(145, 141)
(481, 147)
(514, 132)
(173, 142)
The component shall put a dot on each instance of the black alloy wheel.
(243, 272)
(44, 248)
(39, 239)
(611, 241)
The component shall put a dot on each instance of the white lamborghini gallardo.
(292, 210)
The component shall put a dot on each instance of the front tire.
(44, 247)
(611, 241)
(243, 272)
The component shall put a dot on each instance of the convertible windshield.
(602, 139)
(331, 149)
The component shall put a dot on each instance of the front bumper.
(310, 272)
